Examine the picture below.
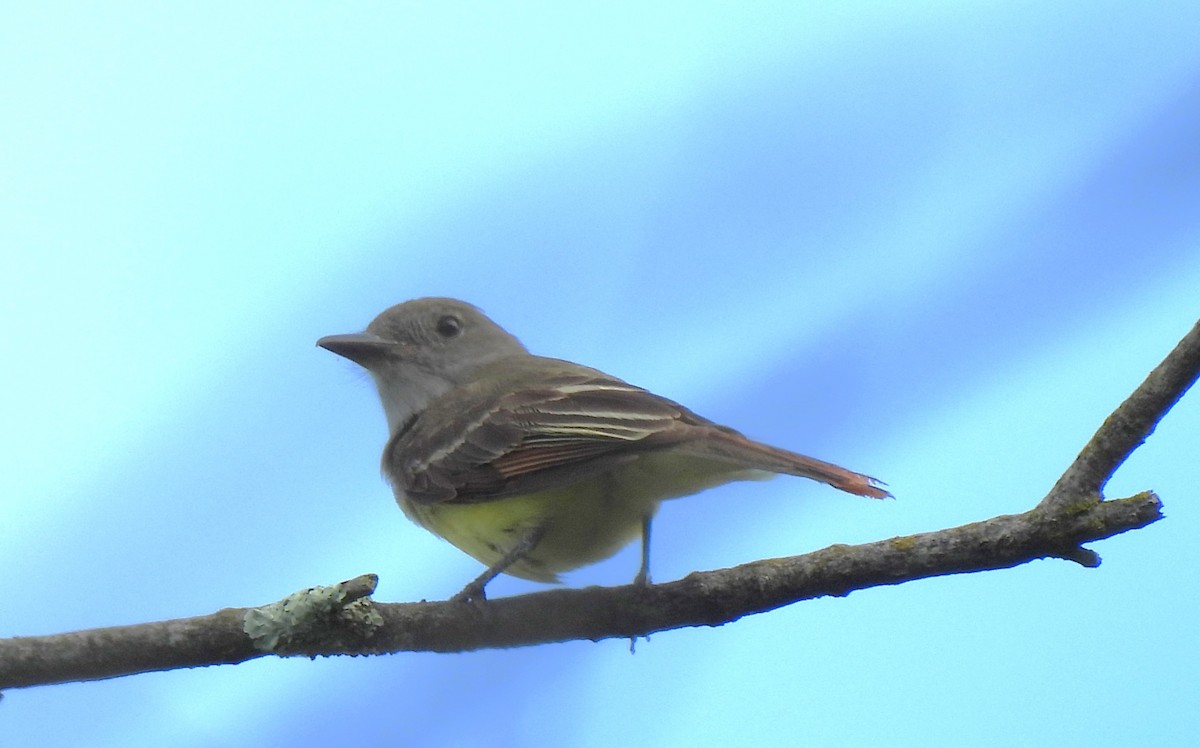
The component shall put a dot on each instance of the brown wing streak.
(532, 458)
(538, 439)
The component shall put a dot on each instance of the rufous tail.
(765, 457)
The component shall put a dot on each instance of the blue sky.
(933, 242)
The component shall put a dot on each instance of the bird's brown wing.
(481, 446)
(527, 439)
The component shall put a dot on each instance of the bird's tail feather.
(736, 448)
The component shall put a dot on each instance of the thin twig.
(1130, 424)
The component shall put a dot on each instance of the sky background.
(934, 242)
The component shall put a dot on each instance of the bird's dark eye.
(449, 326)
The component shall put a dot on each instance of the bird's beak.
(362, 348)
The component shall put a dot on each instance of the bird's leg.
(526, 543)
(643, 576)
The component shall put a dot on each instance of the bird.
(536, 466)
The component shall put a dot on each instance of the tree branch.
(1130, 424)
(343, 620)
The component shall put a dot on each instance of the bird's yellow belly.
(583, 522)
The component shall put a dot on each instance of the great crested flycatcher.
(535, 465)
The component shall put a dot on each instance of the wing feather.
(528, 439)
(506, 437)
